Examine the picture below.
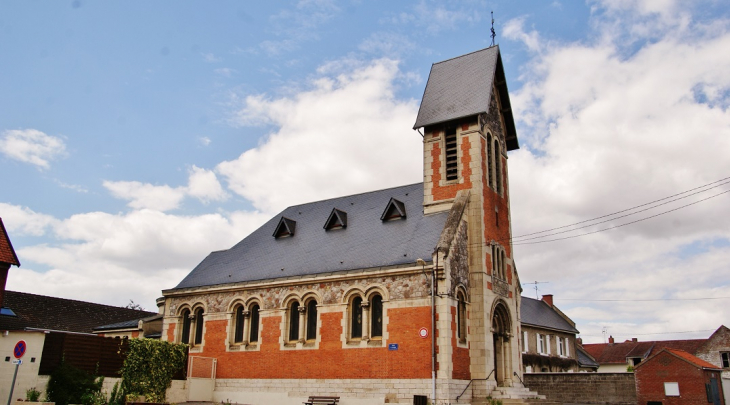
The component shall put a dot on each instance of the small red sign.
(19, 349)
(423, 332)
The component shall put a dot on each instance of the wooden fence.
(101, 356)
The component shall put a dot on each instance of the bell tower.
(468, 128)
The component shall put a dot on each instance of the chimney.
(160, 305)
(579, 341)
(548, 299)
(610, 340)
(634, 340)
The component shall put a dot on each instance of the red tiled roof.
(51, 313)
(616, 353)
(692, 359)
(7, 254)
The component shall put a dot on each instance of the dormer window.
(450, 146)
(394, 210)
(285, 228)
(336, 220)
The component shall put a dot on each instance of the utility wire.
(655, 333)
(622, 225)
(614, 218)
(643, 300)
(723, 181)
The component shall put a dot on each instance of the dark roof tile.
(537, 313)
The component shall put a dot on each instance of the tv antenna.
(494, 34)
(605, 332)
(536, 283)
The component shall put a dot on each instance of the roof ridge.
(346, 196)
(467, 54)
(79, 301)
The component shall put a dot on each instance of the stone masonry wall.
(584, 388)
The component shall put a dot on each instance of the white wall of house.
(28, 371)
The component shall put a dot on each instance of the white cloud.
(31, 146)
(145, 195)
(24, 221)
(437, 16)
(333, 139)
(111, 258)
(203, 185)
(387, 44)
(225, 72)
(606, 125)
(211, 58)
(204, 140)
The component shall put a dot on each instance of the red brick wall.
(330, 360)
(448, 191)
(665, 367)
(460, 357)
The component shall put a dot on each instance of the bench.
(321, 400)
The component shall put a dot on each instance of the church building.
(337, 297)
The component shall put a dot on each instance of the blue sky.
(136, 137)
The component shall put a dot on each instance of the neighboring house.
(30, 317)
(548, 337)
(149, 327)
(673, 376)
(586, 362)
(334, 297)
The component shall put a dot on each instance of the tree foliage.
(150, 366)
(69, 384)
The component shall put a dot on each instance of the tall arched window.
(376, 316)
(356, 318)
(504, 266)
(185, 334)
(238, 331)
(461, 317)
(199, 326)
(311, 320)
(498, 166)
(294, 321)
(254, 319)
(489, 161)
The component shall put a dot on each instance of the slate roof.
(132, 323)
(462, 87)
(366, 242)
(584, 359)
(616, 353)
(7, 253)
(59, 314)
(538, 313)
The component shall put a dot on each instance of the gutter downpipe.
(433, 330)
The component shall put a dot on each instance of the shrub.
(32, 395)
(150, 366)
(69, 384)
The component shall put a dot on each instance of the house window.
(461, 317)
(254, 322)
(561, 346)
(356, 318)
(525, 343)
(199, 326)
(541, 344)
(185, 335)
(294, 322)
(450, 146)
(671, 389)
(376, 316)
(725, 359)
(312, 320)
(547, 344)
(238, 325)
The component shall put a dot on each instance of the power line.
(642, 300)
(622, 225)
(723, 181)
(655, 333)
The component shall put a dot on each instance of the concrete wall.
(28, 371)
(584, 388)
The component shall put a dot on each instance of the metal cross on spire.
(494, 34)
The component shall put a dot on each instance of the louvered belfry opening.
(452, 171)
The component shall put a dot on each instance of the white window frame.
(561, 346)
(671, 389)
(541, 344)
(525, 342)
(567, 347)
(547, 343)
(725, 359)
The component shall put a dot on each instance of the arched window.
(238, 327)
(498, 166)
(489, 161)
(461, 317)
(254, 319)
(504, 266)
(199, 326)
(185, 334)
(356, 318)
(294, 321)
(376, 316)
(311, 320)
